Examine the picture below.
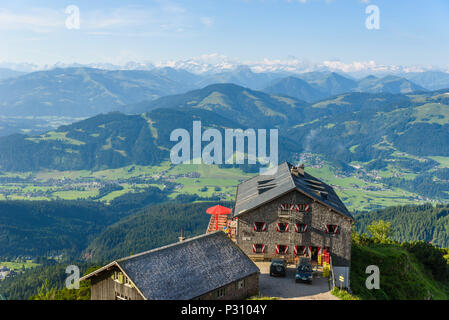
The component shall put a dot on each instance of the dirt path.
(286, 288)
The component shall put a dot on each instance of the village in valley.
(360, 189)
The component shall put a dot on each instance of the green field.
(358, 194)
(17, 266)
(358, 191)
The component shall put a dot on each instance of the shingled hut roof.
(188, 269)
(261, 189)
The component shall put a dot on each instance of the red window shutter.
(277, 249)
(286, 227)
(263, 248)
(327, 228)
(278, 227)
(254, 227)
(306, 208)
(301, 228)
(254, 248)
(264, 227)
(286, 249)
(295, 250)
(336, 230)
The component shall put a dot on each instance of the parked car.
(304, 272)
(278, 267)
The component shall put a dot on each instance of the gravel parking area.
(287, 288)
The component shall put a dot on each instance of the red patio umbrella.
(216, 211)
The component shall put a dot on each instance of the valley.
(361, 190)
(376, 149)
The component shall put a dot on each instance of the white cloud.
(37, 20)
(161, 16)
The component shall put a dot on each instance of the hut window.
(302, 251)
(258, 248)
(220, 293)
(300, 228)
(282, 227)
(119, 296)
(332, 229)
(240, 284)
(260, 226)
(119, 277)
(281, 249)
(127, 282)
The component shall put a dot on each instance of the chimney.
(301, 169)
(182, 238)
(298, 170)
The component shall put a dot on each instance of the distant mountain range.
(217, 63)
(8, 73)
(84, 92)
(247, 107)
(317, 86)
(344, 128)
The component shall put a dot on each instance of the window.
(119, 277)
(282, 227)
(119, 296)
(258, 248)
(128, 283)
(240, 284)
(281, 249)
(220, 293)
(332, 229)
(301, 227)
(302, 251)
(299, 207)
(260, 226)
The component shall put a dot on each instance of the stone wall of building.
(316, 218)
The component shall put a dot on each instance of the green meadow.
(358, 192)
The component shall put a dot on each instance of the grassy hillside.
(247, 107)
(403, 276)
(391, 148)
(413, 222)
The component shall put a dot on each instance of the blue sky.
(411, 32)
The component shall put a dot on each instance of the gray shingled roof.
(188, 269)
(263, 188)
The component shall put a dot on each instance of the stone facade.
(316, 218)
